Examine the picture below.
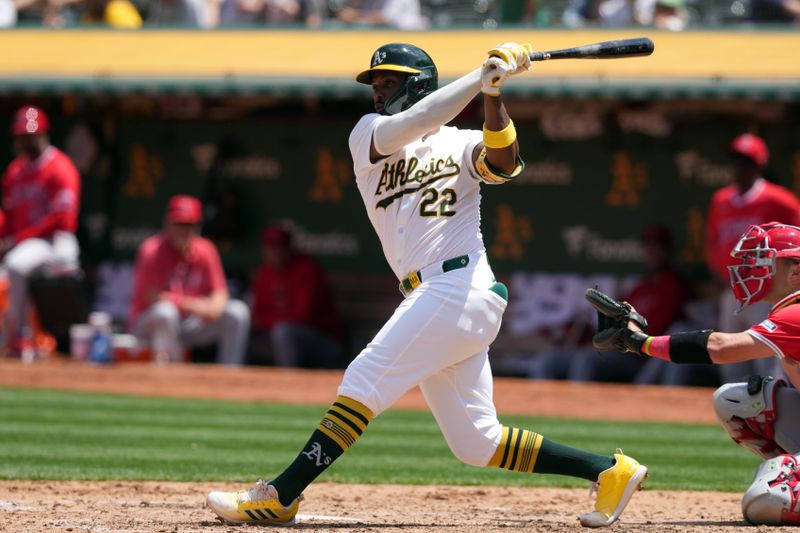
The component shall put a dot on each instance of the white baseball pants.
(438, 338)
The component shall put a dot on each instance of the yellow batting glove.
(515, 55)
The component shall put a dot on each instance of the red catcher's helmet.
(751, 146)
(29, 120)
(758, 249)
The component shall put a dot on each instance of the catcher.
(761, 414)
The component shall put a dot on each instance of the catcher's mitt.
(613, 318)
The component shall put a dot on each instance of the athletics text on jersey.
(424, 200)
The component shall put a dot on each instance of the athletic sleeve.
(360, 141)
(781, 332)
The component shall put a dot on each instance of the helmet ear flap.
(415, 88)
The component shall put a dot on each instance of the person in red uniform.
(749, 200)
(180, 295)
(295, 320)
(41, 200)
(661, 293)
(760, 414)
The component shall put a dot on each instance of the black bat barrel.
(640, 46)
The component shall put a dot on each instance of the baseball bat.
(640, 46)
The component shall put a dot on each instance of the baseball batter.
(761, 414)
(41, 200)
(421, 184)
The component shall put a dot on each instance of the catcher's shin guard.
(748, 412)
(773, 498)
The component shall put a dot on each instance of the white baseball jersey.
(424, 200)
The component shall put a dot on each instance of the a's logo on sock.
(315, 454)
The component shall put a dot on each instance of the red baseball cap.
(184, 209)
(276, 237)
(29, 120)
(751, 146)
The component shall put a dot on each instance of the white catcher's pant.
(438, 338)
(59, 252)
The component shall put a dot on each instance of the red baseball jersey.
(163, 268)
(731, 213)
(298, 293)
(781, 329)
(41, 197)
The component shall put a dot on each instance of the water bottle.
(100, 350)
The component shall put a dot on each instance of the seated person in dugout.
(760, 414)
(295, 320)
(41, 202)
(180, 295)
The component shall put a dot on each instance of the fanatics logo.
(769, 325)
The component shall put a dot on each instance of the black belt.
(414, 279)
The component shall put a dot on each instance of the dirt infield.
(27, 507)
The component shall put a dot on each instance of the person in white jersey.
(420, 181)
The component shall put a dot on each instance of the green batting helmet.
(422, 78)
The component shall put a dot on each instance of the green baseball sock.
(555, 458)
(318, 454)
(339, 429)
(523, 450)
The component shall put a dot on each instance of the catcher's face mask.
(757, 250)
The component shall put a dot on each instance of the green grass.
(64, 435)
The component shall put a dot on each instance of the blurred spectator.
(41, 197)
(662, 291)
(663, 14)
(669, 15)
(295, 321)
(182, 13)
(8, 14)
(180, 296)
(749, 200)
(45, 12)
(260, 12)
(118, 14)
(606, 12)
(775, 11)
(399, 14)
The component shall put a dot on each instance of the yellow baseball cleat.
(259, 505)
(614, 488)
